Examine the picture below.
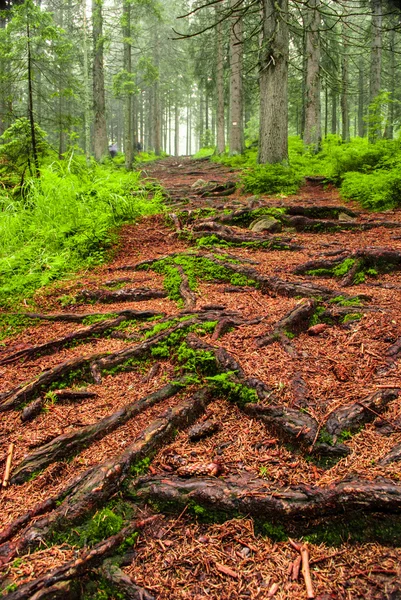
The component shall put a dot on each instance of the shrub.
(378, 190)
(271, 179)
(65, 221)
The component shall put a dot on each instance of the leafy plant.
(271, 179)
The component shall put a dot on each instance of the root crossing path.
(215, 413)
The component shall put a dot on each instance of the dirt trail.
(286, 346)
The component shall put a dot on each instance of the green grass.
(66, 221)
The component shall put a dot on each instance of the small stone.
(199, 183)
(245, 552)
(344, 217)
(269, 224)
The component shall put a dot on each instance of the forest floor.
(278, 449)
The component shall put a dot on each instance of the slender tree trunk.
(221, 143)
(201, 121)
(236, 85)
(87, 111)
(100, 142)
(273, 82)
(389, 131)
(326, 110)
(361, 95)
(3, 89)
(375, 64)
(157, 119)
(30, 103)
(176, 129)
(127, 61)
(312, 133)
(334, 112)
(344, 87)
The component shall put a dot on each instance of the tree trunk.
(361, 122)
(220, 142)
(273, 82)
(344, 87)
(312, 133)
(236, 60)
(128, 149)
(30, 103)
(176, 129)
(334, 112)
(87, 118)
(375, 66)
(99, 105)
(389, 131)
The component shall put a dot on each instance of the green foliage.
(196, 361)
(274, 531)
(316, 317)
(235, 392)
(65, 222)
(16, 152)
(13, 324)
(92, 319)
(204, 152)
(343, 301)
(343, 268)
(196, 268)
(378, 190)
(103, 524)
(271, 179)
(325, 437)
(352, 317)
(140, 467)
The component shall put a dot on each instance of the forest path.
(285, 346)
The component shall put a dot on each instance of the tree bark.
(257, 499)
(312, 133)
(221, 144)
(100, 142)
(345, 134)
(128, 148)
(68, 444)
(236, 84)
(375, 65)
(273, 83)
(361, 97)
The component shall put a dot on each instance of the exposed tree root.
(320, 212)
(87, 560)
(188, 296)
(302, 223)
(276, 285)
(232, 236)
(33, 409)
(256, 498)
(122, 582)
(95, 486)
(382, 260)
(66, 445)
(25, 392)
(351, 416)
(123, 295)
(393, 456)
(55, 345)
(295, 321)
(78, 318)
(293, 425)
(217, 190)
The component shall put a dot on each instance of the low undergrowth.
(366, 172)
(196, 268)
(64, 221)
